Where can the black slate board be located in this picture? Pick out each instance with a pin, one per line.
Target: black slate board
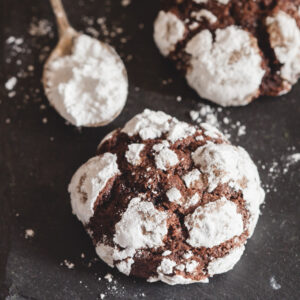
(35, 171)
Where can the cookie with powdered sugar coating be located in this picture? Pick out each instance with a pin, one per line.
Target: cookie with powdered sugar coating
(166, 200)
(232, 51)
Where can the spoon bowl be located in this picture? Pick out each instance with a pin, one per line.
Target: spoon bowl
(67, 36)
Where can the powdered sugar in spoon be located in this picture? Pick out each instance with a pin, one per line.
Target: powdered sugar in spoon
(84, 79)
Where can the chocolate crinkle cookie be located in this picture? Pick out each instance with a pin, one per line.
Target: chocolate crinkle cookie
(165, 200)
(232, 51)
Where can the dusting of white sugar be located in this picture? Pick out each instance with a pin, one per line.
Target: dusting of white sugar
(141, 225)
(220, 119)
(90, 86)
(40, 27)
(274, 284)
(108, 277)
(291, 160)
(125, 2)
(29, 233)
(213, 223)
(168, 31)
(10, 83)
(204, 14)
(133, 153)
(226, 70)
(225, 263)
(68, 264)
(164, 157)
(285, 40)
(174, 195)
(88, 182)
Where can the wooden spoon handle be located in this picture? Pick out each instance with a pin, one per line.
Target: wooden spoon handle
(61, 17)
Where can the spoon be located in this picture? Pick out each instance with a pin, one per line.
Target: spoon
(64, 48)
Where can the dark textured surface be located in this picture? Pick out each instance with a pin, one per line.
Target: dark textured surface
(35, 171)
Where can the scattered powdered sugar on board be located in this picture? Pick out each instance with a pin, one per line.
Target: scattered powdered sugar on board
(20, 52)
(29, 233)
(125, 2)
(273, 169)
(68, 264)
(291, 160)
(108, 277)
(107, 32)
(10, 83)
(277, 167)
(274, 284)
(40, 27)
(219, 118)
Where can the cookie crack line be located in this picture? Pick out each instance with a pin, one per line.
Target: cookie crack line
(232, 52)
(166, 200)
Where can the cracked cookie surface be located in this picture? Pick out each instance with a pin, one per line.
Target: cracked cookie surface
(165, 200)
(232, 51)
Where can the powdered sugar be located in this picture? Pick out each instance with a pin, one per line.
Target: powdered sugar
(191, 177)
(174, 195)
(166, 253)
(274, 284)
(166, 266)
(133, 153)
(180, 131)
(291, 160)
(88, 181)
(187, 255)
(125, 266)
(191, 201)
(180, 267)
(164, 157)
(152, 124)
(285, 40)
(40, 27)
(191, 266)
(141, 225)
(211, 131)
(227, 71)
(29, 233)
(149, 124)
(226, 263)
(225, 163)
(207, 112)
(213, 224)
(105, 252)
(10, 83)
(125, 2)
(168, 31)
(175, 279)
(108, 277)
(68, 264)
(219, 118)
(110, 254)
(204, 14)
(89, 86)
